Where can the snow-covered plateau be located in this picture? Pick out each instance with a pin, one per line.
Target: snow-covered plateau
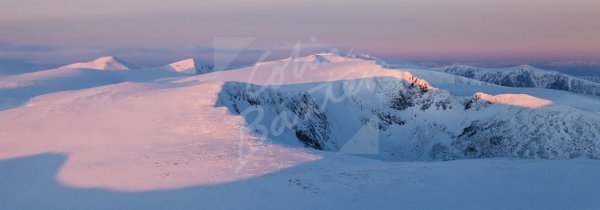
(317, 132)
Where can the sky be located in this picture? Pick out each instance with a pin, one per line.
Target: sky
(151, 32)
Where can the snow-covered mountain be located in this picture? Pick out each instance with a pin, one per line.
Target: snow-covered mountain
(299, 132)
(103, 63)
(525, 76)
(413, 121)
(16, 90)
(189, 66)
(329, 95)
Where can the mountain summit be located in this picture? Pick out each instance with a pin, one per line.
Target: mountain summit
(189, 66)
(103, 63)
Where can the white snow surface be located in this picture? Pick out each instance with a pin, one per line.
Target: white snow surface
(75, 138)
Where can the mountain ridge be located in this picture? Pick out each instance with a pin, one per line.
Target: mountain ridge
(189, 66)
(525, 76)
(103, 63)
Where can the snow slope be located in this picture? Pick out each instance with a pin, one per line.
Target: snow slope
(333, 182)
(103, 63)
(435, 78)
(16, 90)
(307, 132)
(578, 101)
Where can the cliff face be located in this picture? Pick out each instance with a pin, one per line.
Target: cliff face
(413, 123)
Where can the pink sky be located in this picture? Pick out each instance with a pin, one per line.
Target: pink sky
(423, 29)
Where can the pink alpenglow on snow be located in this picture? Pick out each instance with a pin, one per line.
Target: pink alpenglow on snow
(522, 100)
(102, 63)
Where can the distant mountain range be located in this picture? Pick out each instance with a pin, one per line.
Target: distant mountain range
(525, 76)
